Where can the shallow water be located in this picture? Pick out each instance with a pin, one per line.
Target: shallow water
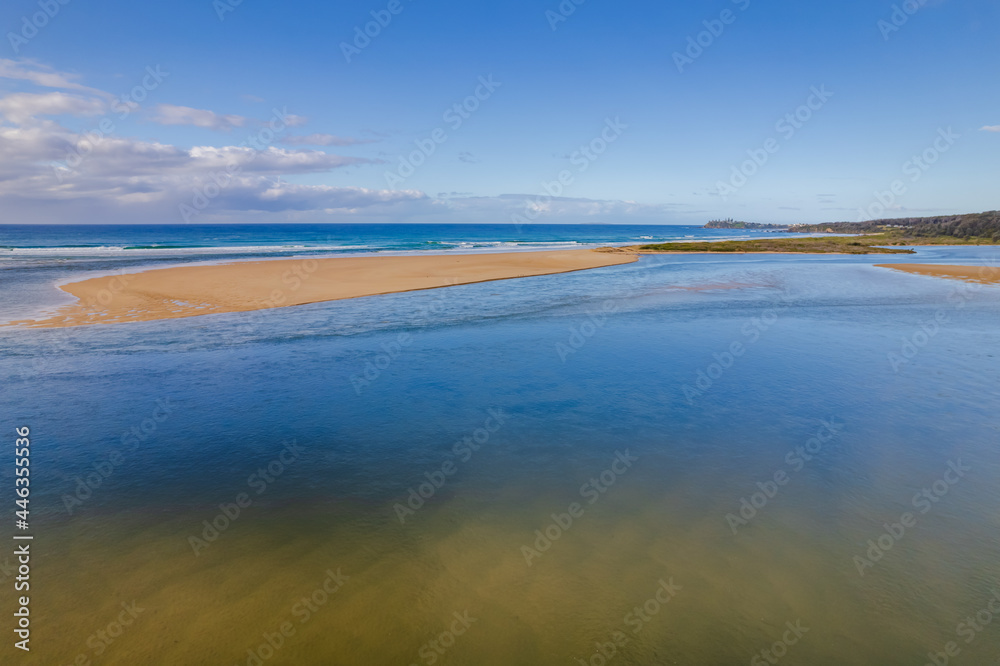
(581, 367)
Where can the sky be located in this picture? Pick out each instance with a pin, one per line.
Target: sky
(579, 111)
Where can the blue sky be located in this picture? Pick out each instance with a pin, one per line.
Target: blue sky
(672, 138)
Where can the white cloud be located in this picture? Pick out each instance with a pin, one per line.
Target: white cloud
(323, 140)
(20, 108)
(271, 160)
(44, 76)
(277, 196)
(85, 159)
(50, 173)
(990, 128)
(120, 179)
(171, 114)
(543, 209)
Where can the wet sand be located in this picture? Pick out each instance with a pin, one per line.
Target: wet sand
(978, 274)
(189, 291)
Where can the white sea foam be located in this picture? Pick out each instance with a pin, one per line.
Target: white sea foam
(120, 250)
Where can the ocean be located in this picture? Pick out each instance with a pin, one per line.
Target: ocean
(693, 459)
(278, 239)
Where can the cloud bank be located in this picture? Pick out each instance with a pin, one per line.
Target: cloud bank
(53, 172)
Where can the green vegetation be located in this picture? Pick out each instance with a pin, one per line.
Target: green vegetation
(824, 245)
(733, 224)
(972, 229)
(873, 237)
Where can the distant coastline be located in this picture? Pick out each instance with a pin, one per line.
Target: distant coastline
(809, 245)
(968, 229)
(871, 237)
(735, 224)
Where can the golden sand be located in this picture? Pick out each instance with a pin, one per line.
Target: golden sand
(978, 274)
(188, 291)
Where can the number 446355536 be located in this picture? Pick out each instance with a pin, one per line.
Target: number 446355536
(21, 456)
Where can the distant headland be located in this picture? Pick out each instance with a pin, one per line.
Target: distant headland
(872, 237)
(734, 224)
(972, 228)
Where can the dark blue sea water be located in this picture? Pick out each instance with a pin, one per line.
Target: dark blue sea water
(182, 239)
(667, 462)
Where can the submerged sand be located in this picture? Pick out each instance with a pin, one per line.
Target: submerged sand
(978, 274)
(189, 291)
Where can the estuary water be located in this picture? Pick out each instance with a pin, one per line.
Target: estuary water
(686, 460)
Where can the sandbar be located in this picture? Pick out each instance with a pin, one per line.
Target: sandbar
(978, 274)
(189, 291)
